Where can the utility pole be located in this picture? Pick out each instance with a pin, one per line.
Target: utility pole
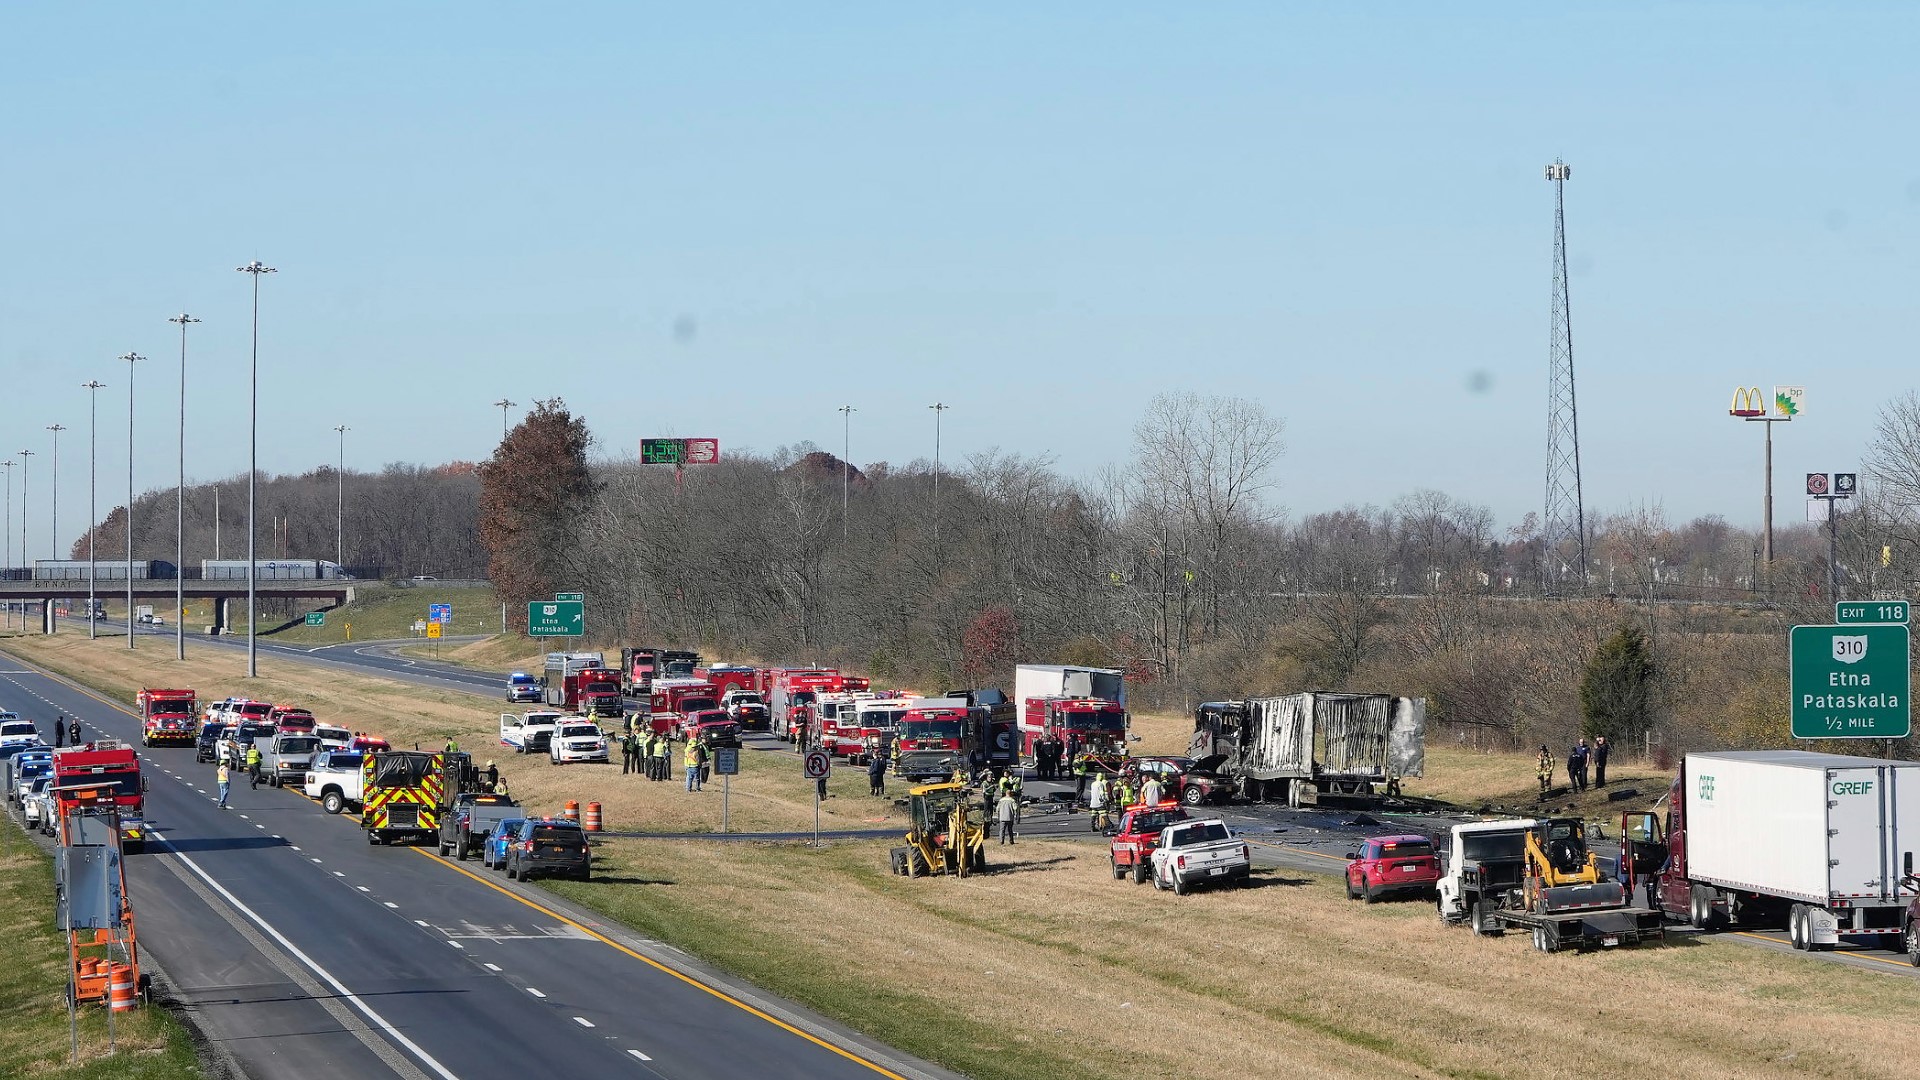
(180, 506)
(7, 531)
(132, 359)
(937, 408)
(846, 464)
(54, 528)
(92, 387)
(503, 405)
(254, 268)
(1564, 522)
(340, 503)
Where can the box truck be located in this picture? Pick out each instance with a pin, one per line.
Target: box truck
(1819, 843)
(1313, 747)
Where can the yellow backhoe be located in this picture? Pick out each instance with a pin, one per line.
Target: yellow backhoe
(946, 833)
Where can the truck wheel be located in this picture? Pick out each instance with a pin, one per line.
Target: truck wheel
(332, 802)
(1700, 908)
(1179, 885)
(1440, 908)
(1797, 927)
(1118, 873)
(1912, 936)
(1484, 923)
(462, 851)
(917, 865)
(512, 873)
(897, 860)
(1139, 871)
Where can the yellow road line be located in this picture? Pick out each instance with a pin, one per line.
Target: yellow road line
(664, 969)
(1854, 955)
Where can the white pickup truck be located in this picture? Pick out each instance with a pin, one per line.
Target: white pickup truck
(529, 732)
(335, 779)
(1194, 852)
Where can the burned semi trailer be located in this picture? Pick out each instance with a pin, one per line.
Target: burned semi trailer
(1313, 747)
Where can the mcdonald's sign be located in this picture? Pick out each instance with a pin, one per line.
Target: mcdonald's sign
(1748, 401)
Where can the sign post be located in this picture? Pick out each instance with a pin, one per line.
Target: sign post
(1851, 681)
(726, 762)
(816, 766)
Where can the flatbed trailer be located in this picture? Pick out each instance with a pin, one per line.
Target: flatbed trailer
(1585, 931)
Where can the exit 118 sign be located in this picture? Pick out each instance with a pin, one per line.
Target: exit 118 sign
(1870, 611)
(1851, 682)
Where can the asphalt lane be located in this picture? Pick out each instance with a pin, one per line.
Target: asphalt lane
(306, 951)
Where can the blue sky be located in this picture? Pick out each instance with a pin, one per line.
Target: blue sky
(1041, 215)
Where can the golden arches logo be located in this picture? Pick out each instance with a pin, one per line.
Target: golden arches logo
(1748, 401)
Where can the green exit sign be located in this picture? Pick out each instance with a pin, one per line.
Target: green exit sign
(316, 618)
(1870, 611)
(1851, 682)
(556, 618)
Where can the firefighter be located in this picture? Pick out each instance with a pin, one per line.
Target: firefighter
(493, 776)
(1097, 802)
(1544, 769)
(1080, 779)
(452, 747)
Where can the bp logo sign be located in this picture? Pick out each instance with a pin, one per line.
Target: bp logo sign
(1706, 788)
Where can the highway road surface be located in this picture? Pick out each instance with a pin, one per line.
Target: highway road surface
(302, 951)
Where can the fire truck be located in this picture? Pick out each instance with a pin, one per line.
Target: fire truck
(935, 737)
(673, 699)
(599, 693)
(167, 716)
(1093, 728)
(111, 771)
(876, 722)
(563, 676)
(400, 792)
(730, 677)
(640, 666)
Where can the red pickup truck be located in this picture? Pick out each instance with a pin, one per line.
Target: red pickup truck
(1132, 847)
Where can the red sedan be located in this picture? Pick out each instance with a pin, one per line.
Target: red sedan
(1390, 864)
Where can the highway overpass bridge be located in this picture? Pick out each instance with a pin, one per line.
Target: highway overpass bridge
(216, 597)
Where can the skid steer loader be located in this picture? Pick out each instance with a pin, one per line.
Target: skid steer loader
(946, 833)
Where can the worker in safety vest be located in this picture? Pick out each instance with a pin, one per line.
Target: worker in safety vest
(253, 765)
(690, 762)
(452, 747)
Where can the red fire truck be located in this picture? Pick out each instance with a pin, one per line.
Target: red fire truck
(110, 769)
(599, 693)
(730, 676)
(673, 699)
(936, 736)
(167, 716)
(640, 666)
(1094, 728)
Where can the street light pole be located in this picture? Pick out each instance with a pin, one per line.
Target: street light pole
(340, 502)
(503, 405)
(132, 359)
(24, 560)
(7, 532)
(937, 408)
(92, 387)
(846, 463)
(54, 529)
(180, 505)
(255, 268)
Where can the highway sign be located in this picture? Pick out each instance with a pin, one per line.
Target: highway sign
(433, 629)
(817, 765)
(576, 596)
(439, 613)
(663, 451)
(1851, 682)
(316, 618)
(556, 618)
(1870, 611)
(726, 761)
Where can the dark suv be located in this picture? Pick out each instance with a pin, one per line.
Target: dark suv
(549, 846)
(207, 745)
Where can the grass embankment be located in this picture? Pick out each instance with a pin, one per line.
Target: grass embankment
(383, 612)
(34, 1036)
(498, 653)
(1047, 966)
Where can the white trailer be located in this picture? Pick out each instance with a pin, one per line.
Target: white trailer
(1821, 841)
(1314, 745)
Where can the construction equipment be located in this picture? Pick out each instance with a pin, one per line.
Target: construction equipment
(93, 909)
(1562, 874)
(946, 833)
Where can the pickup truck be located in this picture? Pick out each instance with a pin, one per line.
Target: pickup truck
(1140, 828)
(1194, 852)
(529, 732)
(287, 758)
(335, 780)
(464, 825)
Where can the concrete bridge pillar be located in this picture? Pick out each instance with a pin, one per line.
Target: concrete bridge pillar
(220, 614)
(47, 621)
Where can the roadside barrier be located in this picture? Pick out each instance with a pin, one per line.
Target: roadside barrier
(572, 812)
(593, 817)
(121, 989)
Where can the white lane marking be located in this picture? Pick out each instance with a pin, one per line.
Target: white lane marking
(456, 945)
(583, 1021)
(493, 967)
(336, 873)
(534, 992)
(346, 995)
(363, 888)
(257, 825)
(244, 817)
(639, 1055)
(419, 922)
(390, 903)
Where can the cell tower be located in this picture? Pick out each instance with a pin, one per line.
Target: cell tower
(1564, 524)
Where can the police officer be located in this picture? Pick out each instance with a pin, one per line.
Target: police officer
(60, 730)
(626, 753)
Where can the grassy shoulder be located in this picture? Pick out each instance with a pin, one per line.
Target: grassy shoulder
(383, 612)
(498, 653)
(34, 1034)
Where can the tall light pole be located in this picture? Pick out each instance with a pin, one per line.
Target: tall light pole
(92, 387)
(255, 268)
(54, 527)
(1750, 405)
(846, 464)
(7, 531)
(24, 561)
(503, 405)
(937, 408)
(132, 359)
(180, 505)
(340, 502)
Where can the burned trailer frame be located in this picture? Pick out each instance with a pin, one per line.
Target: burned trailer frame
(1314, 747)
